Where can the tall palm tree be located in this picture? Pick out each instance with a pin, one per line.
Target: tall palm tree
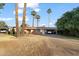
(17, 25)
(2, 5)
(33, 13)
(49, 11)
(24, 18)
(37, 17)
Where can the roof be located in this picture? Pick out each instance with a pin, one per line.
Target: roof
(46, 27)
(41, 28)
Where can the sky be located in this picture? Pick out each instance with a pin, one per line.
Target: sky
(58, 9)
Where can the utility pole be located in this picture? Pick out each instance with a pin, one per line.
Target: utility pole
(24, 18)
(17, 25)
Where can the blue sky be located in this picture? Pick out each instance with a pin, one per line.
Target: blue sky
(58, 9)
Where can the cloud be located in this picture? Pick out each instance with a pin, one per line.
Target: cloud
(20, 11)
(43, 25)
(50, 23)
(21, 5)
(37, 9)
(34, 6)
(20, 18)
(29, 5)
(7, 19)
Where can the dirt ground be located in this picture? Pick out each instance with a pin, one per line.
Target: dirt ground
(37, 45)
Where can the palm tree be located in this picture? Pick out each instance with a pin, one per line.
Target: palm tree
(2, 5)
(17, 25)
(33, 13)
(49, 11)
(24, 18)
(37, 17)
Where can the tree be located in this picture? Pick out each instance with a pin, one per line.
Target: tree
(3, 25)
(26, 25)
(20, 28)
(24, 18)
(37, 17)
(69, 22)
(17, 25)
(33, 13)
(49, 11)
(2, 5)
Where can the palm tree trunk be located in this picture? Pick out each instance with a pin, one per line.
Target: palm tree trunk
(33, 22)
(24, 18)
(17, 25)
(48, 20)
(37, 22)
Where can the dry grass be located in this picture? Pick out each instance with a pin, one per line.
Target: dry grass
(5, 37)
(38, 45)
